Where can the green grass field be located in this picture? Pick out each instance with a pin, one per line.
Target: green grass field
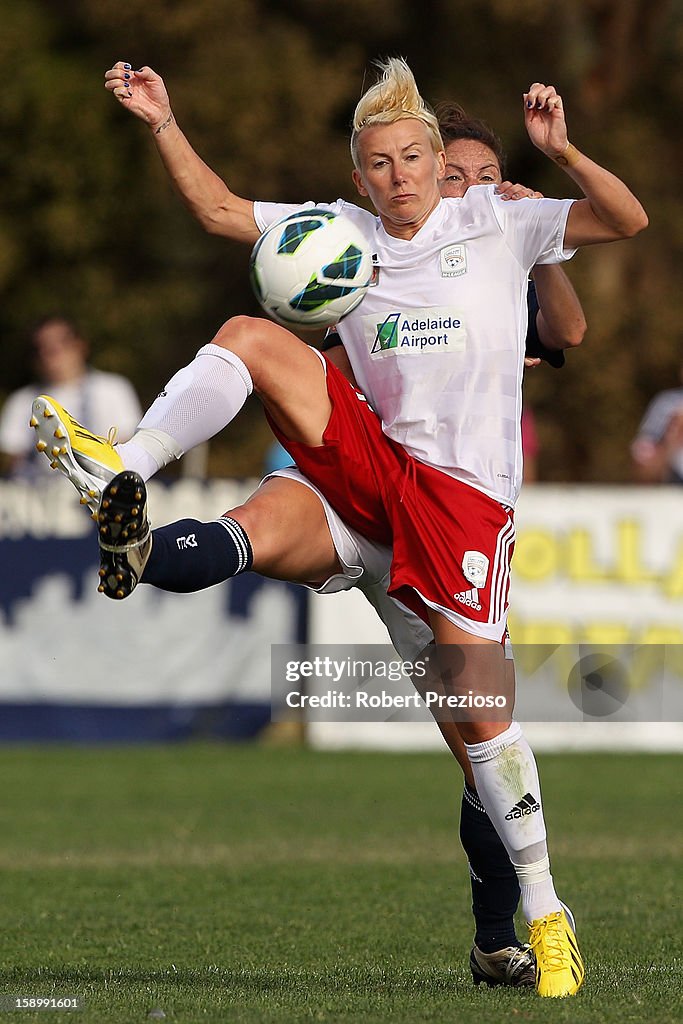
(234, 884)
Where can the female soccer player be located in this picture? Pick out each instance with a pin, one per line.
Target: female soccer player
(438, 355)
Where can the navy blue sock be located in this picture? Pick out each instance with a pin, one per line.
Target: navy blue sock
(189, 555)
(495, 889)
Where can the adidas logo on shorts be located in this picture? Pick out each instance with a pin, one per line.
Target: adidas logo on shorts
(469, 598)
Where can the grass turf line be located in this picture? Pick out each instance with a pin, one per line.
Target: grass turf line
(248, 884)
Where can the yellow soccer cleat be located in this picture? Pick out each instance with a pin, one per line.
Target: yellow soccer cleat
(559, 967)
(89, 461)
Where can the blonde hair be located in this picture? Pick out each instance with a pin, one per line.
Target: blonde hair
(394, 97)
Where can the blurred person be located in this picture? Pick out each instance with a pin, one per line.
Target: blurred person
(398, 163)
(60, 360)
(657, 449)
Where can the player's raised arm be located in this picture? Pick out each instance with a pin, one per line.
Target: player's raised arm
(206, 195)
(610, 211)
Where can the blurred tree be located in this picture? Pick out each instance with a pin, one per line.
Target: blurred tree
(265, 89)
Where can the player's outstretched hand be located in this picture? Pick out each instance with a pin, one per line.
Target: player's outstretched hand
(509, 190)
(142, 92)
(544, 119)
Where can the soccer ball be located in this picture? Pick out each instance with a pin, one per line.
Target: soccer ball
(311, 268)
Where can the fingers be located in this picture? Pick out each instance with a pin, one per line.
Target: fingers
(507, 190)
(543, 97)
(531, 363)
(119, 80)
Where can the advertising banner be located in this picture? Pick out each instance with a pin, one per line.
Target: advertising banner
(76, 665)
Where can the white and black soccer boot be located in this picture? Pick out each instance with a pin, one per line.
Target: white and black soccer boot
(125, 535)
(514, 966)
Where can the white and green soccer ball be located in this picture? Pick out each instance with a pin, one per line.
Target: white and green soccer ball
(311, 268)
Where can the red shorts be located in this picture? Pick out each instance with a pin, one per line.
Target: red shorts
(452, 544)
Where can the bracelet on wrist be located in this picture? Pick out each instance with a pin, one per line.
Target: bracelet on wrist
(165, 124)
(570, 156)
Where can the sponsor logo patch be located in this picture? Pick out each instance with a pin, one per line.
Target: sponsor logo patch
(470, 598)
(527, 805)
(187, 542)
(415, 331)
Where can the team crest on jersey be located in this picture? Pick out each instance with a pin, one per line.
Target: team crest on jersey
(453, 260)
(475, 568)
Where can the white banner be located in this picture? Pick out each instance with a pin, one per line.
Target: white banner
(597, 581)
(63, 644)
(598, 565)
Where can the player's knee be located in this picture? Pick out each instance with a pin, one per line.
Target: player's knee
(249, 337)
(260, 344)
(481, 732)
(238, 331)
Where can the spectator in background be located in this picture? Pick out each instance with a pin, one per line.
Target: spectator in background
(657, 450)
(60, 361)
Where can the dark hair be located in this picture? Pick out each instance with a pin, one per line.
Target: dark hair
(55, 318)
(455, 124)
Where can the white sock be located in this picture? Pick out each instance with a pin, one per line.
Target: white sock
(197, 403)
(507, 783)
(159, 449)
(537, 892)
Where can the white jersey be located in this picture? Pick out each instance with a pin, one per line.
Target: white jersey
(437, 344)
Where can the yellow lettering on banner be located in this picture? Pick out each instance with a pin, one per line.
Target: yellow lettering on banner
(541, 554)
(662, 635)
(673, 658)
(652, 662)
(581, 564)
(672, 584)
(534, 642)
(648, 662)
(556, 633)
(610, 634)
(537, 555)
(552, 633)
(629, 548)
(530, 657)
(645, 666)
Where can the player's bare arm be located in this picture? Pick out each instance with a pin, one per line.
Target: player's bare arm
(610, 211)
(208, 198)
(560, 320)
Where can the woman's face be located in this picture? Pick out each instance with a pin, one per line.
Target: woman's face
(468, 163)
(400, 173)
